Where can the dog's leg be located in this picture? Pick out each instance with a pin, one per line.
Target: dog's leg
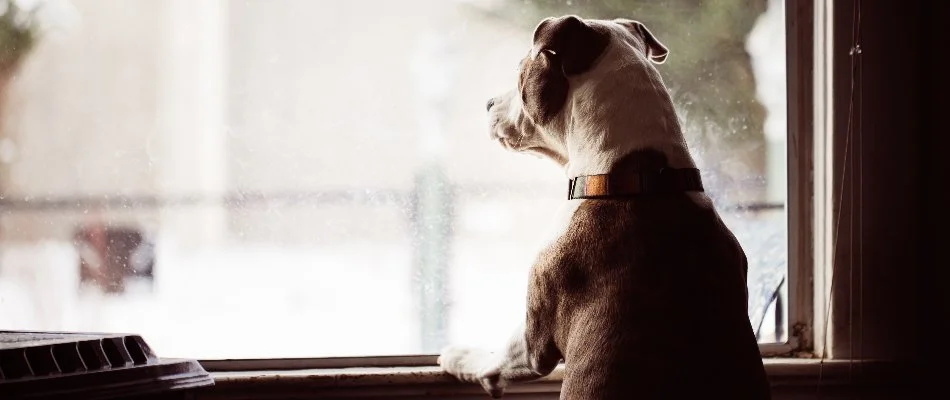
(494, 371)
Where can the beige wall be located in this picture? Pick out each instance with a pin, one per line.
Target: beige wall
(83, 105)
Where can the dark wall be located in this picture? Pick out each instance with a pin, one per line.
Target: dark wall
(891, 290)
(876, 184)
(933, 290)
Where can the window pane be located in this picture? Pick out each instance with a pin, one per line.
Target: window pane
(298, 178)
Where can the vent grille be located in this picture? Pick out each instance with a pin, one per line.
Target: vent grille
(47, 354)
(68, 365)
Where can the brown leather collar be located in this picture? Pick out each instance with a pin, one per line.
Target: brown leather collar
(663, 180)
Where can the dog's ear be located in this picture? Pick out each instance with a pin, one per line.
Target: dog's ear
(543, 86)
(563, 47)
(655, 50)
(573, 43)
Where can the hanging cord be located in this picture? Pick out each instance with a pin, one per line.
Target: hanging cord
(856, 79)
(856, 59)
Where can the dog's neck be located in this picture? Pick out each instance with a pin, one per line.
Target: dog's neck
(588, 159)
(633, 112)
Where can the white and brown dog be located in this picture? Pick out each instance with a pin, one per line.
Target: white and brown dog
(642, 289)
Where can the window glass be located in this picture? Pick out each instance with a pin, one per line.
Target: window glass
(300, 178)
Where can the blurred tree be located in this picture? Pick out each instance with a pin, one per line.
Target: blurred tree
(709, 72)
(17, 35)
(20, 29)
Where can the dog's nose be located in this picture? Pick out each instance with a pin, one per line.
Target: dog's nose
(491, 102)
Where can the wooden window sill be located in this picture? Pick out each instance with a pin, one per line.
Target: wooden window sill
(429, 381)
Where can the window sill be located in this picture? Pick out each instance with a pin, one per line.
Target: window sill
(786, 375)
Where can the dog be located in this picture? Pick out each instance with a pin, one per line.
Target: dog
(641, 289)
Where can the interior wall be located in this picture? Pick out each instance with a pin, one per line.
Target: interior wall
(890, 296)
(932, 295)
(876, 184)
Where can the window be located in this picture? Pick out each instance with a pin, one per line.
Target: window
(205, 173)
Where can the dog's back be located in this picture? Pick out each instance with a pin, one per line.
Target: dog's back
(652, 302)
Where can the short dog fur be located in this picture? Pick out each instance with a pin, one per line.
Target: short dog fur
(642, 297)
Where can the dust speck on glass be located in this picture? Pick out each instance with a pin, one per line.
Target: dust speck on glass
(208, 173)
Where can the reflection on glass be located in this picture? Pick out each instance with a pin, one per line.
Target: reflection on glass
(212, 174)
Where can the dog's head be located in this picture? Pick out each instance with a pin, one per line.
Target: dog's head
(578, 72)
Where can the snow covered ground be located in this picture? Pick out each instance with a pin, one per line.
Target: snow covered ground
(248, 301)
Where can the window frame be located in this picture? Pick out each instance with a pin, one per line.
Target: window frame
(803, 28)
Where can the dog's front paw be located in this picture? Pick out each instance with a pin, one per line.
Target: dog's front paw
(473, 366)
(461, 362)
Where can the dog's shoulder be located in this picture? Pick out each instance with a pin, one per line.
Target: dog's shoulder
(612, 232)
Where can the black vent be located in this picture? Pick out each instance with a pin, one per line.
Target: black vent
(44, 354)
(43, 365)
